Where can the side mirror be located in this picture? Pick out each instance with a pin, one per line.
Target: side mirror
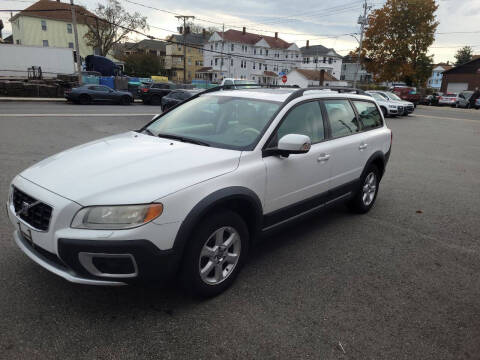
(292, 144)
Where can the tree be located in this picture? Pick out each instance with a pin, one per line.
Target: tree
(142, 65)
(197, 29)
(112, 25)
(463, 55)
(397, 40)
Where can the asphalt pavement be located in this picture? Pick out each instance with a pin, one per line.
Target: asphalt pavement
(401, 282)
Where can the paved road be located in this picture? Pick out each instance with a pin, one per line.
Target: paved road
(399, 283)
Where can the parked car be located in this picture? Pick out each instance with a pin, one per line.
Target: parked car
(155, 92)
(407, 93)
(231, 83)
(189, 192)
(408, 107)
(463, 99)
(87, 94)
(177, 96)
(477, 104)
(448, 99)
(388, 107)
(432, 99)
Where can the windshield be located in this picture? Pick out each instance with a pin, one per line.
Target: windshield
(392, 96)
(220, 121)
(377, 96)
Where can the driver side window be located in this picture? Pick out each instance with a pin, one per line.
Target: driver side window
(304, 119)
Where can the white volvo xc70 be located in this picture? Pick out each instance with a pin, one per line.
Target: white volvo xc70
(187, 194)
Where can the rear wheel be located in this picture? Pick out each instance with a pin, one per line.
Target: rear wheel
(215, 254)
(84, 99)
(367, 194)
(155, 100)
(384, 112)
(125, 100)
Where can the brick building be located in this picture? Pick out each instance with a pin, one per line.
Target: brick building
(463, 77)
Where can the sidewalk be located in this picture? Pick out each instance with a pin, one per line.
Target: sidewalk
(38, 99)
(13, 98)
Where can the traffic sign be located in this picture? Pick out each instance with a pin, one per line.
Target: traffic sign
(281, 73)
(284, 78)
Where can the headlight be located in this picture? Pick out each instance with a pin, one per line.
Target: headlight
(116, 217)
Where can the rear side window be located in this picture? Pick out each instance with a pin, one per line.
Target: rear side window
(342, 118)
(304, 119)
(369, 115)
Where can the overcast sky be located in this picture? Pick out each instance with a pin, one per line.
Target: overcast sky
(319, 21)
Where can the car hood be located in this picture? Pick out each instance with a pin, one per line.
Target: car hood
(129, 168)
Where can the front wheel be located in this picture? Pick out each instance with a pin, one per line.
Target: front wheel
(364, 199)
(215, 254)
(384, 112)
(125, 100)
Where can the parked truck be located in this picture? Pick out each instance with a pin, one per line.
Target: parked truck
(15, 60)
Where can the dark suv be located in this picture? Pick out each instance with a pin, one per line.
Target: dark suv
(154, 94)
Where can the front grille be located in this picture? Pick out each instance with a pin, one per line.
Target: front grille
(37, 216)
(400, 108)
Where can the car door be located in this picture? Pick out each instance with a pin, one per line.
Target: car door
(299, 182)
(100, 93)
(347, 146)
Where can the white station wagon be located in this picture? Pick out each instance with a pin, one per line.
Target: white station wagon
(188, 193)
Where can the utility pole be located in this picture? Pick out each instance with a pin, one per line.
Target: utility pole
(77, 48)
(223, 45)
(362, 20)
(185, 18)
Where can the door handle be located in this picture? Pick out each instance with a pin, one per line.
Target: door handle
(323, 157)
(362, 146)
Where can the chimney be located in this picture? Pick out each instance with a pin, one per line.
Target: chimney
(276, 35)
(308, 44)
(244, 30)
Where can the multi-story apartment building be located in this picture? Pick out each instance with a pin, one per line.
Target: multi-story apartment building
(49, 23)
(243, 55)
(174, 56)
(351, 70)
(318, 57)
(435, 81)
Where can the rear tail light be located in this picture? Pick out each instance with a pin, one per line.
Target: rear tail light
(144, 89)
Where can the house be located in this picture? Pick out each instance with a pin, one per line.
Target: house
(462, 77)
(350, 69)
(435, 81)
(318, 57)
(146, 46)
(305, 78)
(244, 55)
(174, 62)
(49, 24)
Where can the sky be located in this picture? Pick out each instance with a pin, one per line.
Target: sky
(322, 22)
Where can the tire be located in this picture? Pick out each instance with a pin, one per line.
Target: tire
(155, 100)
(364, 200)
(384, 112)
(84, 99)
(206, 250)
(125, 100)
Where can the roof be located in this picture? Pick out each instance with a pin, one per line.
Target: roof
(315, 75)
(470, 67)
(318, 50)
(54, 10)
(146, 44)
(270, 73)
(204, 69)
(194, 39)
(281, 94)
(444, 66)
(251, 39)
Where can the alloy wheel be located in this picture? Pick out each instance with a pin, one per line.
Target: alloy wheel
(369, 189)
(219, 255)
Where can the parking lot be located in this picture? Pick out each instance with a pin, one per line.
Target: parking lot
(402, 282)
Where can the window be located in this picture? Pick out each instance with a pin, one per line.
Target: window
(211, 62)
(233, 47)
(266, 52)
(216, 61)
(69, 28)
(304, 119)
(254, 51)
(369, 115)
(231, 62)
(324, 59)
(330, 60)
(342, 118)
(18, 42)
(45, 43)
(216, 45)
(261, 51)
(44, 25)
(253, 66)
(70, 45)
(211, 46)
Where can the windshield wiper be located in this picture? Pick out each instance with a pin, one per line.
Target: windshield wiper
(149, 132)
(183, 139)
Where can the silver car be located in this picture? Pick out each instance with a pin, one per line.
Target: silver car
(463, 99)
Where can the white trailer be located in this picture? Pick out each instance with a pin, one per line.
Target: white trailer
(16, 59)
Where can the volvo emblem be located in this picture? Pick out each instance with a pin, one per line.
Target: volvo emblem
(26, 206)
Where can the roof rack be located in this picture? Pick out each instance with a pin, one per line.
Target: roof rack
(339, 89)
